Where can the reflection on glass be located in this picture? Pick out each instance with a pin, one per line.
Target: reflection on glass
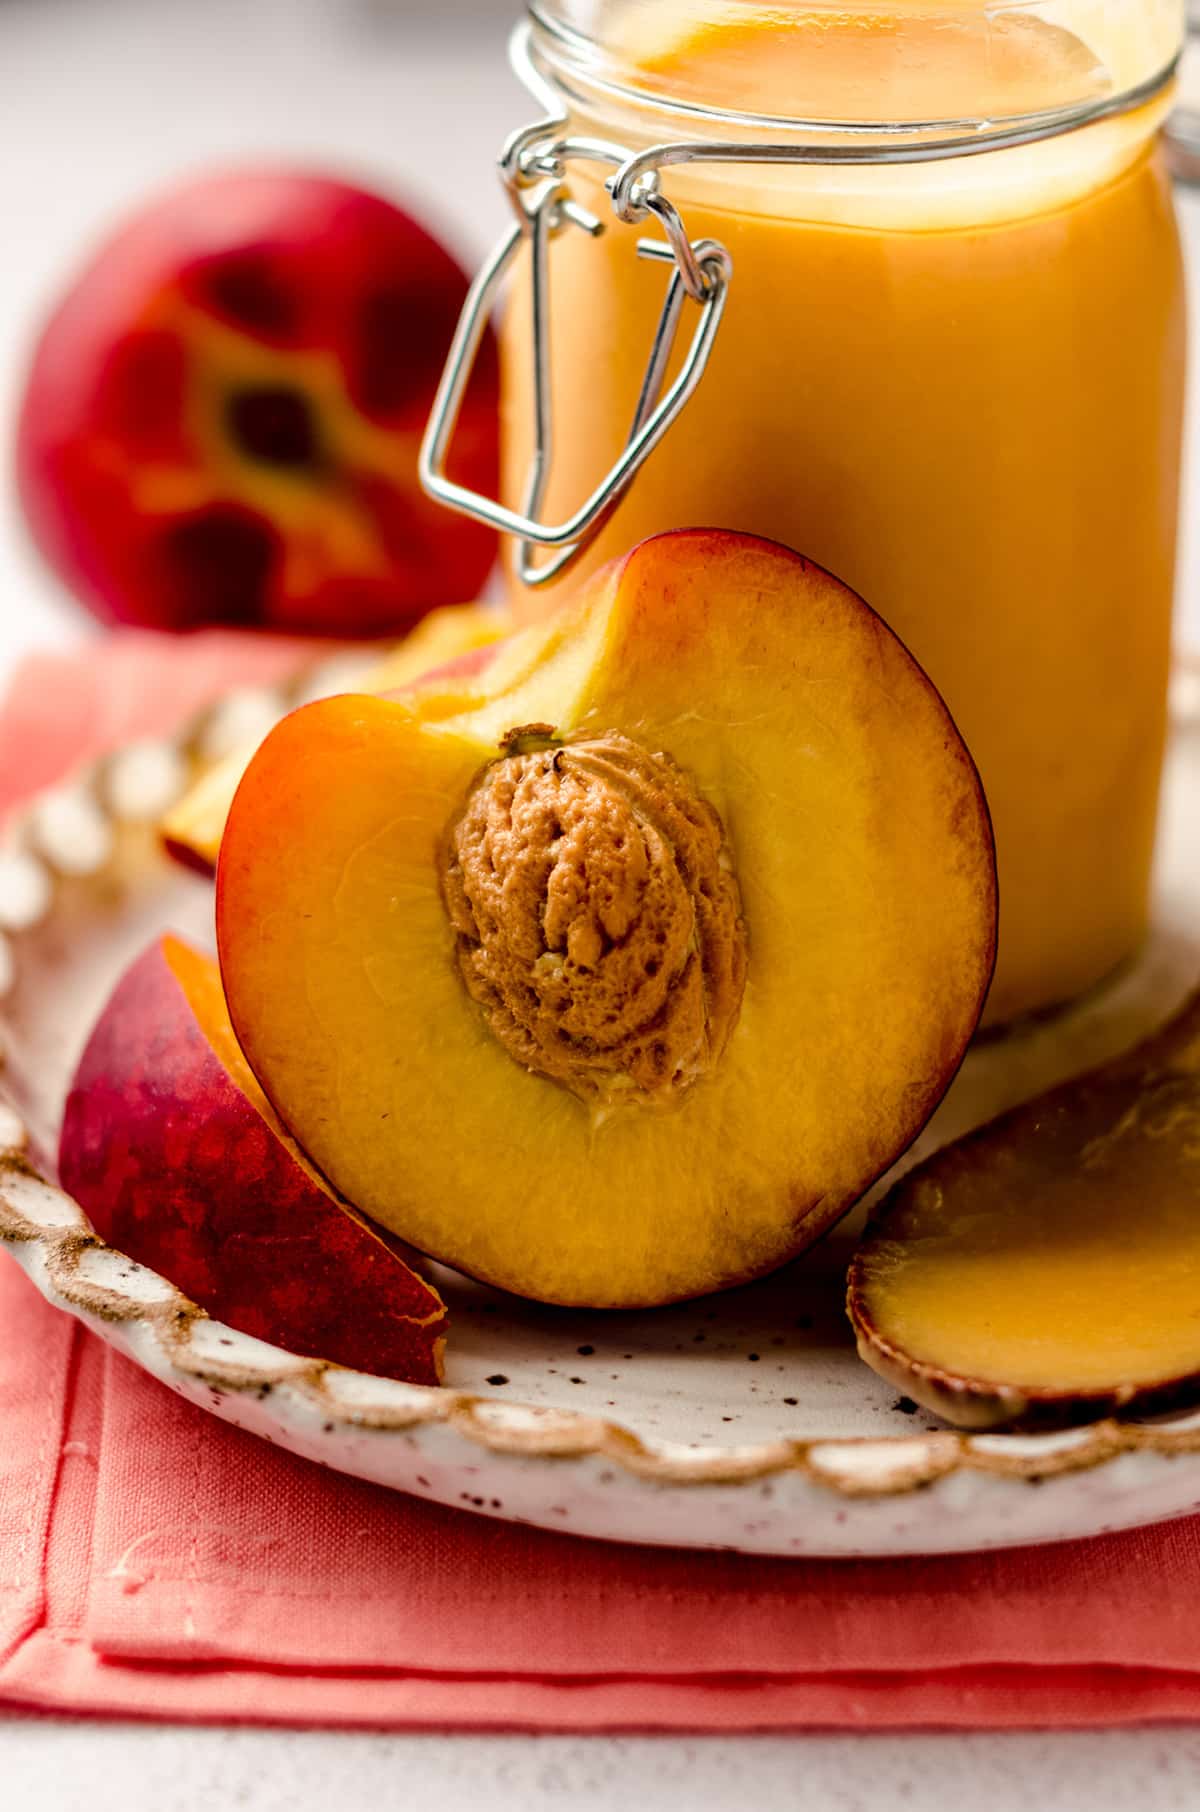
(1183, 128)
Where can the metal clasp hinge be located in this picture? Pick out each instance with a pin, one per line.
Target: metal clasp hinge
(533, 167)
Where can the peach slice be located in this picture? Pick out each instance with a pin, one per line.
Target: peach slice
(177, 1159)
(192, 829)
(1046, 1269)
(623, 985)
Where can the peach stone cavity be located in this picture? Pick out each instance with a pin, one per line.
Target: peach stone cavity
(597, 916)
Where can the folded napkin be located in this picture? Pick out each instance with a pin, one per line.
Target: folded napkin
(155, 1562)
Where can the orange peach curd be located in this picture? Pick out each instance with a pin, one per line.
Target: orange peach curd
(956, 384)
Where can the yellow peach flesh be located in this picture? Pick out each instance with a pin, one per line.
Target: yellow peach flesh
(193, 827)
(1056, 1253)
(863, 854)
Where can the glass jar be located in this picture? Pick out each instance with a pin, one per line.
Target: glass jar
(927, 327)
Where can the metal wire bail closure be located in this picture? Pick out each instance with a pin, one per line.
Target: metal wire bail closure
(533, 165)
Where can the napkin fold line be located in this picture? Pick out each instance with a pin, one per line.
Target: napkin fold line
(56, 1672)
(51, 1411)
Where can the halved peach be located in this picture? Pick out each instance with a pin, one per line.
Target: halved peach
(178, 1160)
(1046, 1269)
(622, 986)
(448, 644)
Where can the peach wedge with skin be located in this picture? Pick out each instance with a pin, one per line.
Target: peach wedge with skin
(622, 986)
(1046, 1269)
(178, 1161)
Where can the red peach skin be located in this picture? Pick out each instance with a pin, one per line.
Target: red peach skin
(176, 1158)
(223, 414)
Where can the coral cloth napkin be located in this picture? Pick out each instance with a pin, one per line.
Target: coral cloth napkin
(154, 1562)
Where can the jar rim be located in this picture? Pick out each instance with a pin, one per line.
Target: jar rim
(561, 64)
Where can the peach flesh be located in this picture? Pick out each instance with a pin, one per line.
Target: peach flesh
(862, 850)
(445, 650)
(1046, 1269)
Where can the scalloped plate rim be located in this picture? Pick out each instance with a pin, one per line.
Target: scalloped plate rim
(865, 1473)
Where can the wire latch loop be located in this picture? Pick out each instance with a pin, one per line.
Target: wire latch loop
(534, 167)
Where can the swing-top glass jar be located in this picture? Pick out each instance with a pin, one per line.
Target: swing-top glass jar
(925, 323)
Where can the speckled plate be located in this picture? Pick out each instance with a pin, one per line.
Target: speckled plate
(744, 1422)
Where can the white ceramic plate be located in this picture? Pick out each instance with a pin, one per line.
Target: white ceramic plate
(744, 1422)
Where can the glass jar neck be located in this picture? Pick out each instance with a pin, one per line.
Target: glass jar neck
(898, 80)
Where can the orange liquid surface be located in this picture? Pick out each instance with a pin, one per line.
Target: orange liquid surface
(959, 388)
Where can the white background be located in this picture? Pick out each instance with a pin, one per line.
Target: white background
(99, 100)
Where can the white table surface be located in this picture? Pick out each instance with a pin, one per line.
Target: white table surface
(98, 100)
